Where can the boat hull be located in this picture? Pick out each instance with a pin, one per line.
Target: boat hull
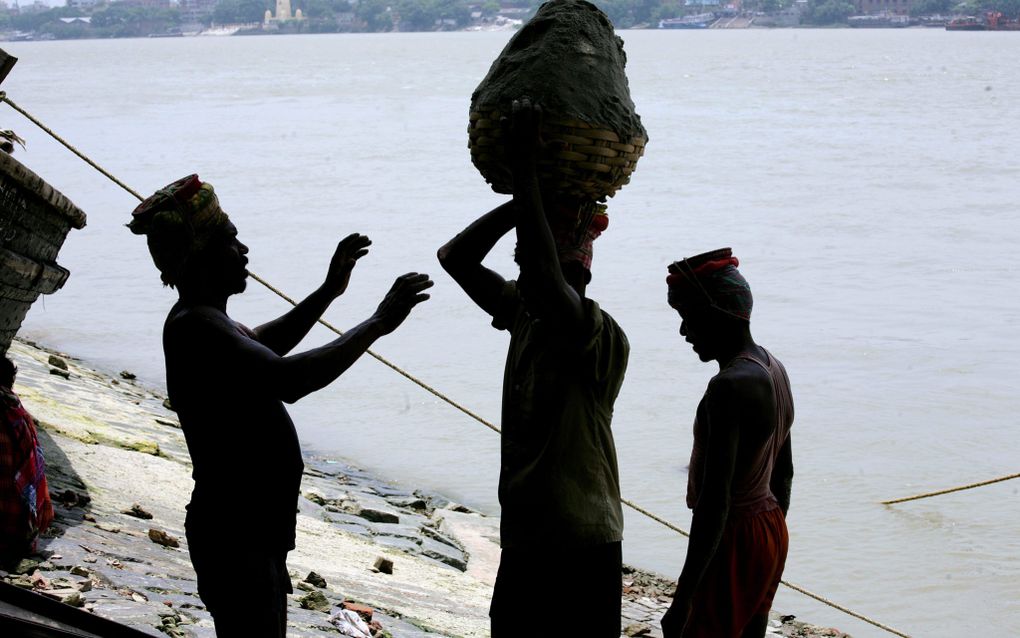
(34, 221)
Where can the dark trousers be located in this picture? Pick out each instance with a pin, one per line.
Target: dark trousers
(245, 590)
(581, 586)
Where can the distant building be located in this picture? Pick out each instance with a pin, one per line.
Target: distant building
(196, 11)
(283, 13)
(77, 20)
(154, 4)
(788, 17)
(515, 13)
(82, 4)
(873, 7)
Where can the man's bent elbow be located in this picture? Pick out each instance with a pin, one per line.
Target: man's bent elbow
(446, 258)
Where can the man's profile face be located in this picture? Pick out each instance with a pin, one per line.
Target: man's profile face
(697, 328)
(224, 260)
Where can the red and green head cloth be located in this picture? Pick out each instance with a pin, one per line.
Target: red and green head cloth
(710, 279)
(178, 221)
(574, 228)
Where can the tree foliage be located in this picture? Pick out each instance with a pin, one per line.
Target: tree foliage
(240, 11)
(1009, 8)
(828, 12)
(932, 7)
(374, 14)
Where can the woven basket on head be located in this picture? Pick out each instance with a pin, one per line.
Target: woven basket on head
(577, 160)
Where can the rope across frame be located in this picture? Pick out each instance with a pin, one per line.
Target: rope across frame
(427, 387)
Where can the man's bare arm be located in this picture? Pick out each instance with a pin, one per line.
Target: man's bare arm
(550, 297)
(285, 332)
(462, 257)
(781, 482)
(293, 377)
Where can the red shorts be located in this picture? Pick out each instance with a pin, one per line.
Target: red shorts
(742, 578)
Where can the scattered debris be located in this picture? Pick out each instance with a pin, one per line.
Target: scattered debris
(350, 624)
(383, 565)
(70, 498)
(26, 566)
(377, 516)
(635, 630)
(315, 579)
(160, 537)
(316, 498)
(57, 362)
(316, 601)
(137, 511)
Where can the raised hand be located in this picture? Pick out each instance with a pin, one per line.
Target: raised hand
(524, 141)
(350, 249)
(406, 293)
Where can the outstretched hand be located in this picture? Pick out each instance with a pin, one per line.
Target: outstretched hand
(406, 293)
(350, 249)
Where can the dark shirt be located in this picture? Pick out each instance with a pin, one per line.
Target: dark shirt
(244, 448)
(559, 482)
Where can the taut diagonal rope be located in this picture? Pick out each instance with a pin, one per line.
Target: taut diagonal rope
(952, 489)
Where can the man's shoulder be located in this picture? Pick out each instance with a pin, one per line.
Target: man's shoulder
(609, 326)
(597, 308)
(188, 322)
(741, 378)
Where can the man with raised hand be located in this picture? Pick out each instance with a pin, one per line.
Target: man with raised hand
(228, 384)
(559, 488)
(741, 469)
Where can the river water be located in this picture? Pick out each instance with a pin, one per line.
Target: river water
(868, 180)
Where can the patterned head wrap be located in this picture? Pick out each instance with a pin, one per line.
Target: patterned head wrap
(575, 228)
(710, 278)
(178, 220)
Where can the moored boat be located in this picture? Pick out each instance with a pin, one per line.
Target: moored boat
(879, 21)
(993, 21)
(697, 21)
(34, 220)
(966, 23)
